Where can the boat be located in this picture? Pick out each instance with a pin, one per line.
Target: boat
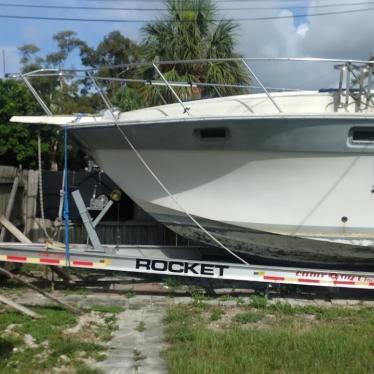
(283, 176)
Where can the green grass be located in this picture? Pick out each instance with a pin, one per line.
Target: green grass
(216, 314)
(51, 341)
(248, 317)
(275, 338)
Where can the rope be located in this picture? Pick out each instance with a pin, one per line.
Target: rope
(66, 197)
(41, 197)
(156, 178)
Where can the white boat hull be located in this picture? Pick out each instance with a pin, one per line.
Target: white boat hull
(320, 206)
(293, 186)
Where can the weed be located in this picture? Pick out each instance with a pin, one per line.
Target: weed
(130, 293)
(248, 317)
(84, 369)
(108, 309)
(140, 327)
(179, 312)
(197, 293)
(227, 297)
(240, 301)
(258, 302)
(217, 314)
(173, 283)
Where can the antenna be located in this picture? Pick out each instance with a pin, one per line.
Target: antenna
(4, 69)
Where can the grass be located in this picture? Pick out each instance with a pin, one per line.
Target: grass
(216, 314)
(52, 345)
(269, 338)
(248, 317)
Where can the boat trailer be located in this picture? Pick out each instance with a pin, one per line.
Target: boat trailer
(187, 261)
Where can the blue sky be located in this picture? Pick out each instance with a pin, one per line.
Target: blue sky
(345, 36)
(16, 32)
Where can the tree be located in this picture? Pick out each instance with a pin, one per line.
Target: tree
(29, 57)
(61, 94)
(190, 31)
(18, 143)
(66, 41)
(114, 50)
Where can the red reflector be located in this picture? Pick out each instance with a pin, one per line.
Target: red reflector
(82, 263)
(345, 282)
(371, 283)
(303, 280)
(269, 277)
(16, 258)
(51, 261)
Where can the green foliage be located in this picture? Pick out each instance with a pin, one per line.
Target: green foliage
(115, 49)
(189, 31)
(127, 98)
(18, 143)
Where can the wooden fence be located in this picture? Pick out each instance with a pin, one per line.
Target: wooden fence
(141, 229)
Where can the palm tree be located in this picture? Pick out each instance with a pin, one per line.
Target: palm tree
(190, 30)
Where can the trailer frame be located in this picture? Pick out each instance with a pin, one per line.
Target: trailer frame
(178, 261)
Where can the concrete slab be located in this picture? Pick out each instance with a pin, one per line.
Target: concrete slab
(139, 340)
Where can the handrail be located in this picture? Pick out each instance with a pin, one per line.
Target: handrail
(259, 82)
(185, 109)
(55, 73)
(352, 73)
(208, 60)
(37, 96)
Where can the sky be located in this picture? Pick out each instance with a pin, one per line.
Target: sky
(346, 36)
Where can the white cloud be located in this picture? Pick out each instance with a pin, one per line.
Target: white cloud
(302, 29)
(345, 36)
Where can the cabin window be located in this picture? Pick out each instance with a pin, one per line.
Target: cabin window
(363, 135)
(220, 133)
